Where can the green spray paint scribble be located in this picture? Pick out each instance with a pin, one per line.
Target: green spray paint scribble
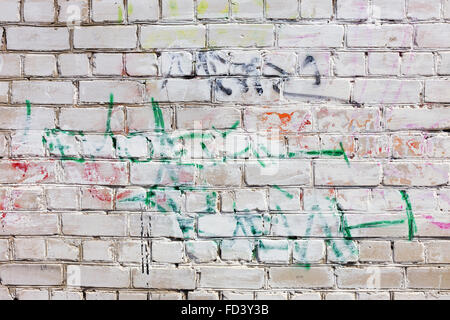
(211, 199)
(412, 227)
(284, 192)
(376, 224)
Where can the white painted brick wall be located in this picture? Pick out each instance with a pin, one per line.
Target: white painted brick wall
(218, 149)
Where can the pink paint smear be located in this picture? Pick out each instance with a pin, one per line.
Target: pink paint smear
(441, 225)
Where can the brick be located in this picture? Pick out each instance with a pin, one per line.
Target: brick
(143, 10)
(236, 249)
(91, 119)
(89, 224)
(27, 172)
(369, 277)
(434, 91)
(168, 252)
(108, 64)
(415, 174)
(201, 251)
(308, 251)
(443, 63)
(289, 277)
(43, 92)
(230, 226)
(37, 38)
(310, 36)
(25, 224)
(104, 37)
(424, 10)
(212, 9)
(273, 251)
(437, 252)
(108, 10)
(32, 294)
(165, 278)
(73, 65)
(308, 90)
(40, 65)
(389, 10)
(123, 295)
(73, 12)
(101, 295)
(282, 9)
(396, 229)
(254, 35)
(177, 10)
(247, 9)
(143, 119)
(26, 199)
(384, 36)
(186, 36)
(179, 90)
(98, 250)
(97, 276)
(66, 295)
(123, 91)
(233, 90)
(231, 278)
(38, 11)
(29, 249)
(31, 274)
(340, 296)
(427, 277)
(276, 174)
(296, 225)
(203, 295)
(417, 118)
(141, 64)
(62, 249)
(414, 64)
(4, 92)
(349, 63)
(387, 91)
(375, 251)
(319, 9)
(105, 173)
(353, 10)
(129, 251)
(432, 35)
(338, 173)
(381, 63)
(10, 65)
(10, 11)
(4, 250)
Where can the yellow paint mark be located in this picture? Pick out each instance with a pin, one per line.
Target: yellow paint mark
(259, 2)
(173, 7)
(234, 7)
(202, 6)
(226, 9)
(130, 9)
(120, 14)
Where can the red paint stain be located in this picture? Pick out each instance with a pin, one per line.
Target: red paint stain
(22, 166)
(123, 195)
(102, 195)
(94, 172)
(285, 119)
